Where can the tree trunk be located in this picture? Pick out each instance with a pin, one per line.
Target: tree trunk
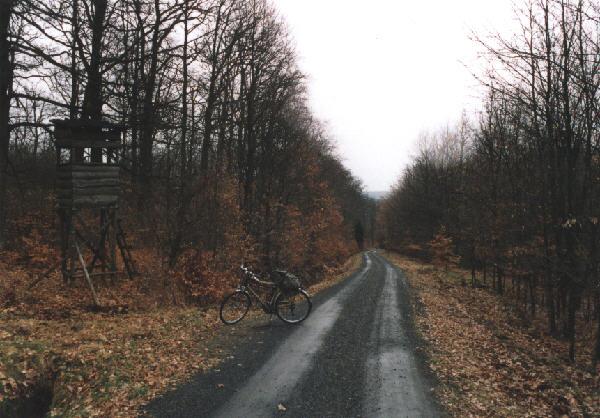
(571, 320)
(532, 294)
(74, 78)
(596, 354)
(148, 113)
(92, 101)
(208, 126)
(183, 195)
(6, 76)
(485, 272)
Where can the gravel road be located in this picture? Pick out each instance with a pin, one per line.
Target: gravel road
(356, 356)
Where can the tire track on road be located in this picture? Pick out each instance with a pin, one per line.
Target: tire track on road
(334, 386)
(355, 356)
(274, 382)
(395, 386)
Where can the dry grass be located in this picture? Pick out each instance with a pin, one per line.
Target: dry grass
(488, 361)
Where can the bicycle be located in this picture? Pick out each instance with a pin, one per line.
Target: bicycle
(291, 307)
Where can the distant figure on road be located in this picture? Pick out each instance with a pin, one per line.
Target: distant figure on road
(359, 235)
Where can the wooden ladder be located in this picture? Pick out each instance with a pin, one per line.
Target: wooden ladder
(125, 251)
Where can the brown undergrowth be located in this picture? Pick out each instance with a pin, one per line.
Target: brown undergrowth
(489, 362)
(335, 275)
(106, 364)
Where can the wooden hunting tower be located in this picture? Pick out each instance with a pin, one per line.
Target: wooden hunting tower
(88, 164)
(88, 186)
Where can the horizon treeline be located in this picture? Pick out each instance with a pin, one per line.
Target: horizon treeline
(223, 160)
(516, 193)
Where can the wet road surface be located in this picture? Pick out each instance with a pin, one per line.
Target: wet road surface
(355, 356)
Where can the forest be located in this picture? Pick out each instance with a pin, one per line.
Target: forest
(512, 194)
(492, 229)
(222, 161)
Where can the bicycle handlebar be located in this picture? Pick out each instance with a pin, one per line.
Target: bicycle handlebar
(252, 276)
(248, 272)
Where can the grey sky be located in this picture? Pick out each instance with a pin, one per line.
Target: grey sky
(382, 71)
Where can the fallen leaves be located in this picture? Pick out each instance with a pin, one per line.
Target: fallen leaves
(486, 361)
(111, 365)
(107, 365)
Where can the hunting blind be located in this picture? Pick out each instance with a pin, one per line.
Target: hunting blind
(88, 189)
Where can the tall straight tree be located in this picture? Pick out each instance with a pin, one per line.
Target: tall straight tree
(6, 80)
(92, 99)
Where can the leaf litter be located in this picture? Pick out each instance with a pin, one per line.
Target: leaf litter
(486, 361)
(112, 363)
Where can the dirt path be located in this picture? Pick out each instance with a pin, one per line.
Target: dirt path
(355, 356)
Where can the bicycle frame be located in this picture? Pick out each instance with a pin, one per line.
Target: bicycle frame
(245, 286)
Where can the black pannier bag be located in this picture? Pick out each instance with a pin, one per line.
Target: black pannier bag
(286, 281)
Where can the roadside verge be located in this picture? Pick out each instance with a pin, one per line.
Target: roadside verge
(486, 362)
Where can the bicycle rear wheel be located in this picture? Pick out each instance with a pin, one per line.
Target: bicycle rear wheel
(235, 307)
(294, 308)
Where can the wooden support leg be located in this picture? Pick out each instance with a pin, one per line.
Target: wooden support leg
(112, 239)
(72, 254)
(67, 255)
(64, 244)
(102, 241)
(84, 234)
(85, 273)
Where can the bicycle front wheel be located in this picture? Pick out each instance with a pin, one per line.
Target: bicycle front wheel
(293, 309)
(235, 307)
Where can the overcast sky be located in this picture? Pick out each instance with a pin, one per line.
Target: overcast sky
(382, 71)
